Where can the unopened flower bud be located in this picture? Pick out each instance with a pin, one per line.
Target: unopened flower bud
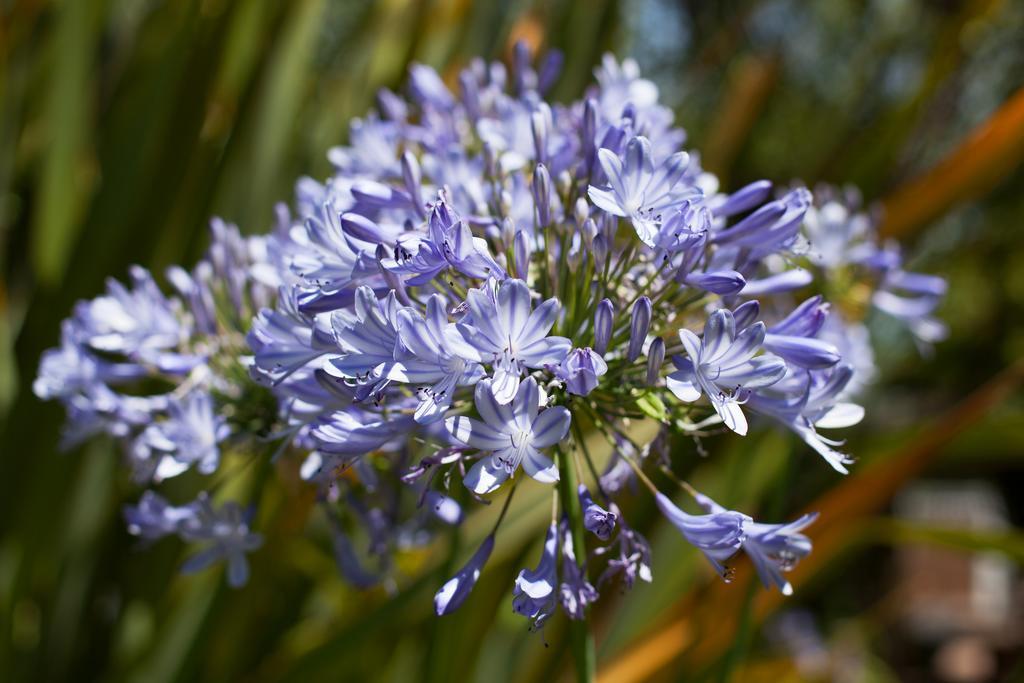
(588, 133)
(588, 230)
(655, 359)
(600, 251)
(507, 233)
(413, 178)
(603, 325)
(641, 322)
(596, 519)
(542, 194)
(581, 211)
(491, 167)
(539, 128)
(521, 250)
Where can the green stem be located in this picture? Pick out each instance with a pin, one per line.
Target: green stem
(580, 638)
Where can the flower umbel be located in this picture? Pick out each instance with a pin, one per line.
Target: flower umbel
(483, 295)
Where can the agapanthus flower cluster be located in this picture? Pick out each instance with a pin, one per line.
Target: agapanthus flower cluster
(486, 280)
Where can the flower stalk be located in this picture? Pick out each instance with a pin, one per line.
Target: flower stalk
(581, 637)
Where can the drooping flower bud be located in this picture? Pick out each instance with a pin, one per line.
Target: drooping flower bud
(445, 508)
(455, 591)
(580, 371)
(718, 535)
(596, 519)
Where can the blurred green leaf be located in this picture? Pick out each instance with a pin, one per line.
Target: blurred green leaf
(66, 176)
(901, 532)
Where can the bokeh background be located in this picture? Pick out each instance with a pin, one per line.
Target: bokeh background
(125, 124)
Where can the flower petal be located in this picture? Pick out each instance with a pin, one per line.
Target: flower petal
(551, 426)
(475, 433)
(606, 200)
(731, 413)
(539, 323)
(485, 477)
(495, 413)
(612, 167)
(842, 415)
(539, 466)
(684, 389)
(513, 309)
(719, 333)
(691, 342)
(548, 351)
(504, 385)
(743, 348)
(526, 403)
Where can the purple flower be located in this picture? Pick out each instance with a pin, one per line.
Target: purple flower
(793, 337)
(912, 298)
(724, 282)
(139, 323)
(226, 531)
(448, 243)
(603, 325)
(640, 323)
(428, 88)
(227, 535)
(384, 291)
(285, 340)
(503, 331)
(632, 558)
(153, 517)
(722, 366)
(718, 535)
(430, 360)
(188, 436)
(773, 548)
(637, 190)
(621, 84)
(72, 369)
(513, 434)
(354, 433)
(367, 335)
(329, 261)
(534, 595)
(445, 508)
(786, 281)
(805, 401)
(575, 592)
(655, 359)
(743, 199)
(581, 371)
(455, 591)
(596, 519)
(774, 226)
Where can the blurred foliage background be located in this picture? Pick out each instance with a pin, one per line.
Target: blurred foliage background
(125, 124)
